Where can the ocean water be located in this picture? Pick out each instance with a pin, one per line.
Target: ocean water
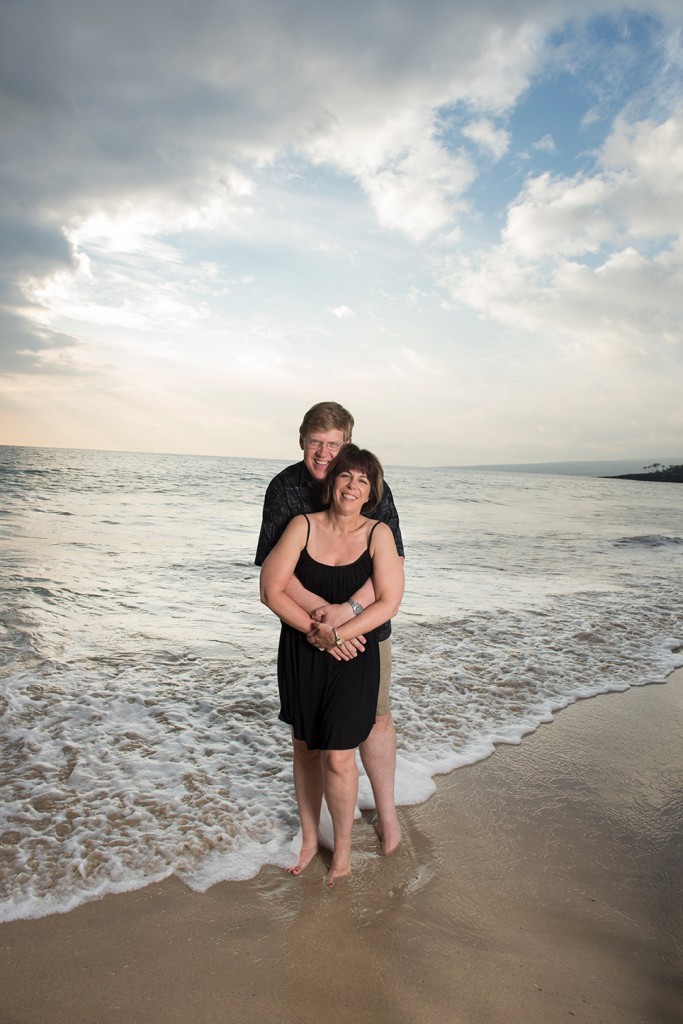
(138, 699)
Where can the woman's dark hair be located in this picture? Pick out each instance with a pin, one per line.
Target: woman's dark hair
(351, 457)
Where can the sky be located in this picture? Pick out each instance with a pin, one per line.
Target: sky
(464, 222)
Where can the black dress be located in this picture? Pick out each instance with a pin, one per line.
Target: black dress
(330, 704)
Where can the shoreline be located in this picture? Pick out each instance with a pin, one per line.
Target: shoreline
(540, 884)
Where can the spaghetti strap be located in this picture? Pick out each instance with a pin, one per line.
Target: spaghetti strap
(308, 531)
(372, 531)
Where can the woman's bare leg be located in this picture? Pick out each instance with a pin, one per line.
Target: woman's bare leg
(340, 775)
(308, 786)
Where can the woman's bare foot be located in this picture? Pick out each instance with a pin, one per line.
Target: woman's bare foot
(389, 836)
(305, 857)
(337, 871)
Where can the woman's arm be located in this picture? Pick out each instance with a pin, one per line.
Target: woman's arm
(277, 572)
(388, 583)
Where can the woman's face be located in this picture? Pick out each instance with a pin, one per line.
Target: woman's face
(351, 490)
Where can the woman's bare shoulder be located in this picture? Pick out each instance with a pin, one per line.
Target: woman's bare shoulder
(296, 526)
(378, 531)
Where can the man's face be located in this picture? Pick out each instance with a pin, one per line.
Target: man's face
(317, 451)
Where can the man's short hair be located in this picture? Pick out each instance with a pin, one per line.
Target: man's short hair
(351, 457)
(326, 416)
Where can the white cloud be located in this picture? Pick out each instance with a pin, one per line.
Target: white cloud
(495, 141)
(591, 258)
(646, 162)
(558, 216)
(635, 193)
(341, 312)
(545, 145)
(420, 192)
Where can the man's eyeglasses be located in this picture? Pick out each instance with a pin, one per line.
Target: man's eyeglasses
(332, 446)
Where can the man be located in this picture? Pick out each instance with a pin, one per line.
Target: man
(326, 427)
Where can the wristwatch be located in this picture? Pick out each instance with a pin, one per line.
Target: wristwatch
(355, 607)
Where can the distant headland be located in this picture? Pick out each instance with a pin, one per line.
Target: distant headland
(606, 469)
(657, 471)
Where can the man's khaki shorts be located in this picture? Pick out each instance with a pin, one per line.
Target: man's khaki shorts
(383, 706)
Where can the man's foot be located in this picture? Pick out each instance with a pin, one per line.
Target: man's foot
(305, 857)
(389, 835)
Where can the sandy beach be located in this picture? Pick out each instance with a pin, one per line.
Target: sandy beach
(541, 885)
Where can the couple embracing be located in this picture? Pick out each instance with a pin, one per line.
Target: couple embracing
(332, 571)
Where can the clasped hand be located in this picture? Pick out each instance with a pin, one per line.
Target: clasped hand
(321, 635)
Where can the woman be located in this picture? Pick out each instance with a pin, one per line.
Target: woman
(330, 699)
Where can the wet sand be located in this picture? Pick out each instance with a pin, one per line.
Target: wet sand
(542, 885)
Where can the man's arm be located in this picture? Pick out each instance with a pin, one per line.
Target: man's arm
(388, 581)
(276, 574)
(338, 614)
(386, 512)
(276, 515)
(296, 590)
